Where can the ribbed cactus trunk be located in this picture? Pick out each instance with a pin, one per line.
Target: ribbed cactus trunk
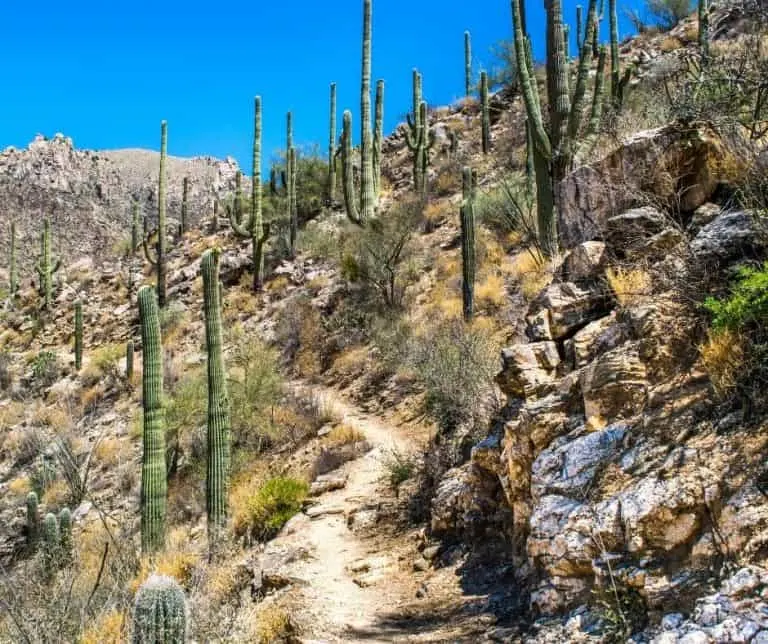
(467, 213)
(159, 612)
(332, 149)
(13, 272)
(486, 118)
(78, 335)
(184, 205)
(703, 29)
(378, 138)
(46, 267)
(161, 205)
(467, 64)
(153, 476)
(418, 137)
(50, 545)
(65, 532)
(579, 33)
(217, 479)
(135, 232)
(33, 521)
(129, 360)
(613, 25)
(360, 213)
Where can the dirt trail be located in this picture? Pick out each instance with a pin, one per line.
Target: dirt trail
(346, 583)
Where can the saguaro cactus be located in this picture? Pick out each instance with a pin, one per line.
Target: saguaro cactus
(46, 267)
(135, 233)
(184, 205)
(378, 137)
(160, 250)
(703, 29)
(467, 213)
(33, 521)
(153, 479)
(51, 544)
(467, 64)
(254, 227)
(159, 612)
(419, 138)
(359, 212)
(217, 479)
(579, 33)
(129, 360)
(332, 148)
(13, 272)
(554, 147)
(486, 115)
(78, 335)
(65, 532)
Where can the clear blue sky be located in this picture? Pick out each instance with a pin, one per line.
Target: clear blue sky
(106, 74)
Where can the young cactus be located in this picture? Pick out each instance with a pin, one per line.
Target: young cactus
(159, 612)
(78, 335)
(485, 110)
(135, 232)
(467, 64)
(65, 533)
(467, 213)
(217, 477)
(332, 149)
(153, 478)
(46, 267)
(362, 210)
(160, 248)
(33, 521)
(13, 272)
(51, 544)
(418, 137)
(129, 360)
(184, 205)
(254, 227)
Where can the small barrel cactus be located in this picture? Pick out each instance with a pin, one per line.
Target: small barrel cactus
(159, 612)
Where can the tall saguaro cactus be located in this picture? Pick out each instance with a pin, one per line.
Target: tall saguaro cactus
(78, 335)
(33, 521)
(254, 226)
(46, 267)
(486, 115)
(554, 143)
(579, 33)
(153, 477)
(703, 29)
(135, 232)
(359, 212)
(13, 272)
(160, 249)
(51, 544)
(378, 138)
(467, 213)
(332, 149)
(217, 478)
(418, 137)
(159, 612)
(184, 205)
(129, 360)
(467, 64)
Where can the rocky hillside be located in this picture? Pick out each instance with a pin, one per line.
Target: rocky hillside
(88, 190)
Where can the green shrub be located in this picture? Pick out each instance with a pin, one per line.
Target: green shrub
(667, 13)
(45, 368)
(400, 467)
(274, 503)
(508, 209)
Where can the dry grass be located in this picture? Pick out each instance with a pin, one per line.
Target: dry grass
(628, 285)
(91, 397)
(722, 356)
(531, 271)
(269, 623)
(491, 293)
(241, 492)
(448, 181)
(57, 494)
(178, 560)
(351, 360)
(435, 213)
(19, 487)
(110, 452)
(670, 43)
(343, 435)
(278, 284)
(102, 361)
(108, 628)
(52, 416)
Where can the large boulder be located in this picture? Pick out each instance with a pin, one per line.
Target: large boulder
(562, 309)
(585, 262)
(729, 236)
(678, 164)
(632, 228)
(528, 370)
(596, 338)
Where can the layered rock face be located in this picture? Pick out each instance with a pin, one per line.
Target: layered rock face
(90, 192)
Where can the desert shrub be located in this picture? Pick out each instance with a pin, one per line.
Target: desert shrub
(667, 13)
(185, 416)
(319, 241)
(45, 368)
(628, 285)
(509, 209)
(272, 504)
(5, 373)
(303, 338)
(103, 361)
(741, 318)
(400, 467)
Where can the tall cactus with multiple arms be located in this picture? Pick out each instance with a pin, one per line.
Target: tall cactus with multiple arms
(555, 146)
(159, 260)
(159, 612)
(33, 521)
(332, 149)
(486, 116)
(218, 401)
(153, 478)
(359, 212)
(13, 271)
(467, 64)
(78, 335)
(184, 205)
(129, 360)
(419, 138)
(467, 213)
(254, 227)
(46, 267)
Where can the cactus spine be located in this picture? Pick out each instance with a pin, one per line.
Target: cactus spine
(46, 267)
(467, 64)
(467, 213)
(486, 119)
(704, 29)
(254, 227)
(159, 260)
(553, 148)
(129, 360)
(419, 137)
(65, 531)
(159, 612)
(184, 205)
(218, 401)
(13, 273)
(51, 544)
(33, 521)
(153, 479)
(78, 335)
(332, 149)
(360, 212)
